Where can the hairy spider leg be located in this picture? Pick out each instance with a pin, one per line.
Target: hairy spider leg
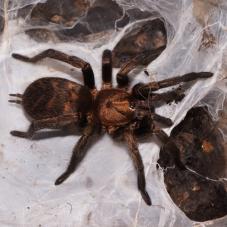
(87, 71)
(49, 123)
(138, 163)
(122, 75)
(159, 98)
(78, 154)
(144, 90)
(107, 69)
(175, 95)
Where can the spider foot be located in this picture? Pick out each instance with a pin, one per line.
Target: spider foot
(205, 74)
(20, 57)
(146, 197)
(61, 179)
(20, 134)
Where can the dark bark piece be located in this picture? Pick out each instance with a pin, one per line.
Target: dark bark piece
(42, 35)
(74, 19)
(60, 12)
(146, 37)
(93, 26)
(200, 144)
(132, 15)
(200, 199)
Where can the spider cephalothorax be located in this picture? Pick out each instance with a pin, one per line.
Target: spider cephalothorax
(55, 103)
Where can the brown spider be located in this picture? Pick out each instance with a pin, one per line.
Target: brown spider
(55, 103)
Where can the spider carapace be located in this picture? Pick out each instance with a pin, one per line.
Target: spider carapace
(55, 103)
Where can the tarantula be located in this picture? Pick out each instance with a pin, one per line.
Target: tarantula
(55, 103)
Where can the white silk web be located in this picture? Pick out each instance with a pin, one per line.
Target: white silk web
(103, 190)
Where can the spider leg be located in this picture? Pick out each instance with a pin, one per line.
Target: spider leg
(78, 154)
(122, 75)
(146, 56)
(164, 138)
(107, 69)
(50, 123)
(138, 163)
(167, 97)
(143, 90)
(87, 71)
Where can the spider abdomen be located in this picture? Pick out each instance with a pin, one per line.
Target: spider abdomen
(113, 107)
(51, 97)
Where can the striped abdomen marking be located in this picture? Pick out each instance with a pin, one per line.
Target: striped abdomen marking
(51, 97)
